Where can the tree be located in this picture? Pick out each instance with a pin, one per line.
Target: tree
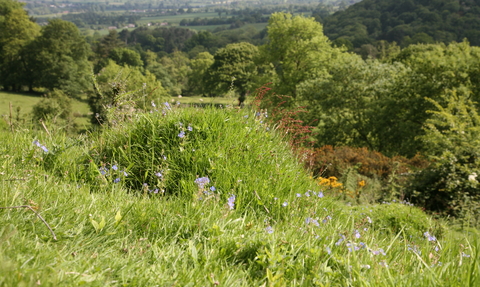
(17, 31)
(233, 67)
(199, 67)
(58, 58)
(298, 49)
(121, 91)
(124, 56)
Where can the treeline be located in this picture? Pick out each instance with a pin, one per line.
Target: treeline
(405, 22)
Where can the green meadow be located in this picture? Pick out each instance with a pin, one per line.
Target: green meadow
(204, 197)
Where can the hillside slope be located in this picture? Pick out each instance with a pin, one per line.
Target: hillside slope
(406, 22)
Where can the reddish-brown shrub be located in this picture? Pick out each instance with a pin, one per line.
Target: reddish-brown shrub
(331, 161)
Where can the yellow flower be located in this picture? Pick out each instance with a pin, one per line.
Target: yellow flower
(336, 184)
(362, 183)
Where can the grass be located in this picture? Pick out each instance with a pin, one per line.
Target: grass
(198, 100)
(23, 103)
(281, 231)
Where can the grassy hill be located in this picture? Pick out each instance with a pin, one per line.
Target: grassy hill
(200, 197)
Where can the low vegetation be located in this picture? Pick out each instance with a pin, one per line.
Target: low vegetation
(204, 197)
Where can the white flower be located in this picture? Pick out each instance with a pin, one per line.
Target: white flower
(473, 177)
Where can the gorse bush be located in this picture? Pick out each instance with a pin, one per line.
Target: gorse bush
(202, 154)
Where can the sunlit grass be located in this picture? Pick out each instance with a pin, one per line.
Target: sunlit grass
(282, 230)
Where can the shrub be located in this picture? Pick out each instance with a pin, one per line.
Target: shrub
(55, 107)
(450, 185)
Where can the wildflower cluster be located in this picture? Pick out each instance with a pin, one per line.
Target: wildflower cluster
(330, 182)
(114, 174)
(205, 192)
(182, 134)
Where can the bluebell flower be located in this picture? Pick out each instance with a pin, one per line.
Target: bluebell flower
(37, 143)
(269, 229)
(153, 104)
(181, 134)
(429, 237)
(117, 180)
(125, 173)
(212, 188)
(202, 181)
(159, 174)
(329, 251)
(189, 128)
(299, 195)
(357, 234)
(103, 170)
(245, 116)
(285, 204)
(307, 194)
(231, 202)
(167, 105)
(320, 194)
(114, 167)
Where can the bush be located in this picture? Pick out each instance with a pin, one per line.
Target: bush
(450, 185)
(55, 107)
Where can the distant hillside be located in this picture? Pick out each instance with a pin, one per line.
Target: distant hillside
(406, 22)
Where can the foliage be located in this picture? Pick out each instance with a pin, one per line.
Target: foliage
(199, 67)
(298, 50)
(122, 91)
(450, 184)
(56, 106)
(17, 32)
(405, 22)
(234, 68)
(58, 58)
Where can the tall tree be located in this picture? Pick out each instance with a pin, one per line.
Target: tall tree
(233, 67)
(199, 67)
(298, 49)
(17, 30)
(58, 58)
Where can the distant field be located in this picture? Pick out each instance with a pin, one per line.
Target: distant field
(175, 19)
(25, 103)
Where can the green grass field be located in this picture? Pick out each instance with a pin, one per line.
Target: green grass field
(22, 104)
(204, 197)
(175, 19)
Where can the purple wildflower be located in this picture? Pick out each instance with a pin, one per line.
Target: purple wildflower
(212, 188)
(159, 174)
(202, 181)
(189, 128)
(114, 167)
(357, 234)
(285, 204)
(181, 134)
(231, 202)
(269, 229)
(320, 194)
(117, 180)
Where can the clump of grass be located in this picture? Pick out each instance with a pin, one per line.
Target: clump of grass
(203, 154)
